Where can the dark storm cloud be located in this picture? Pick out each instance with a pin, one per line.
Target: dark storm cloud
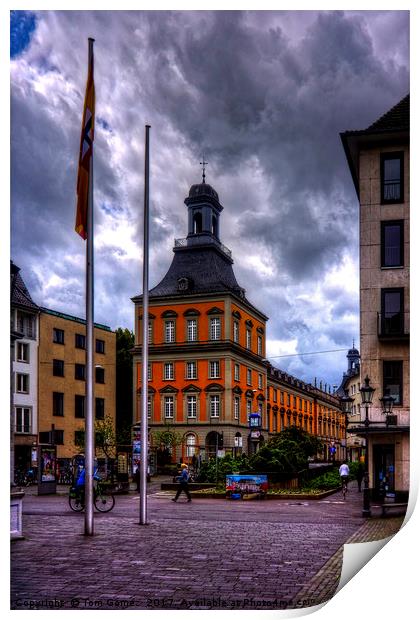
(264, 95)
(245, 91)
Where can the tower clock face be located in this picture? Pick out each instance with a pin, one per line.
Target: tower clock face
(183, 284)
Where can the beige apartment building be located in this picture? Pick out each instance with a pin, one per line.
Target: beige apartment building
(61, 379)
(378, 158)
(350, 386)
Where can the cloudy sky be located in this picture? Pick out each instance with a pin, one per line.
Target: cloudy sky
(264, 96)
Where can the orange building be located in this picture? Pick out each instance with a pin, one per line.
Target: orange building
(292, 402)
(207, 369)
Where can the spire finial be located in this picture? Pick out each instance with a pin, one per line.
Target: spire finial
(353, 343)
(204, 164)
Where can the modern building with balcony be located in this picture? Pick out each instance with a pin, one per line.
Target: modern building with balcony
(378, 158)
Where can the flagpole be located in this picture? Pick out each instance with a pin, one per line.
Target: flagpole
(144, 448)
(89, 434)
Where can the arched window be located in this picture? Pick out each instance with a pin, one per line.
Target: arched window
(190, 441)
(197, 223)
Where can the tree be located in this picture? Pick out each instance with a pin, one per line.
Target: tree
(166, 442)
(124, 383)
(287, 451)
(105, 437)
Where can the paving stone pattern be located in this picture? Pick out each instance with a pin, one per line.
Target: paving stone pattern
(209, 554)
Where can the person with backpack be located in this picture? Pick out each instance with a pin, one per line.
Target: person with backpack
(183, 483)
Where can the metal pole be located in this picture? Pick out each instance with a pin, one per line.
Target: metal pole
(144, 448)
(366, 494)
(89, 435)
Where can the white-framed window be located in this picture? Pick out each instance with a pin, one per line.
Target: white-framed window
(235, 331)
(168, 371)
(23, 419)
(191, 370)
(149, 407)
(214, 369)
(26, 324)
(190, 441)
(215, 328)
(170, 331)
(191, 330)
(248, 407)
(274, 395)
(150, 332)
(169, 406)
(236, 407)
(281, 398)
(22, 383)
(260, 382)
(22, 352)
(236, 372)
(149, 372)
(249, 376)
(192, 406)
(259, 345)
(248, 338)
(214, 406)
(260, 410)
(237, 441)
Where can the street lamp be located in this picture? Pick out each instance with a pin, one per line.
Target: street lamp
(387, 403)
(346, 407)
(367, 395)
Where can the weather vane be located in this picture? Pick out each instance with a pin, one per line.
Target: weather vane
(204, 164)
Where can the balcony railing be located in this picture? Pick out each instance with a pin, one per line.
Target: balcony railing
(184, 242)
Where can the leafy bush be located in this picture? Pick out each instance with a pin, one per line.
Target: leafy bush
(286, 452)
(330, 480)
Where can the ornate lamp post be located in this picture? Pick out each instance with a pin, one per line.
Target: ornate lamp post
(367, 395)
(346, 403)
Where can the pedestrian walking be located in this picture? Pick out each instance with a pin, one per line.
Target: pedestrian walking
(360, 473)
(183, 483)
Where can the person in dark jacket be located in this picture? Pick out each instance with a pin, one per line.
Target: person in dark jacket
(183, 483)
(360, 474)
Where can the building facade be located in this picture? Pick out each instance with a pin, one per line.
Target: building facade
(62, 385)
(350, 386)
(208, 376)
(292, 402)
(24, 323)
(378, 158)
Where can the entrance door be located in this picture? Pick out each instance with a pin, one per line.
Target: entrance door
(383, 469)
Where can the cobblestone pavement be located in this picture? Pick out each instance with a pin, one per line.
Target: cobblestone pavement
(209, 554)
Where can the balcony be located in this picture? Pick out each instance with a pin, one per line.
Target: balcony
(199, 240)
(393, 328)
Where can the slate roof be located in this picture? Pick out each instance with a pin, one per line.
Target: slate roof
(19, 294)
(392, 126)
(206, 268)
(396, 119)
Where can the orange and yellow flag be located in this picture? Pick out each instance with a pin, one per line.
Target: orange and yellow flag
(86, 151)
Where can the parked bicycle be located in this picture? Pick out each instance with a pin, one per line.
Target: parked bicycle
(24, 479)
(66, 476)
(103, 499)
